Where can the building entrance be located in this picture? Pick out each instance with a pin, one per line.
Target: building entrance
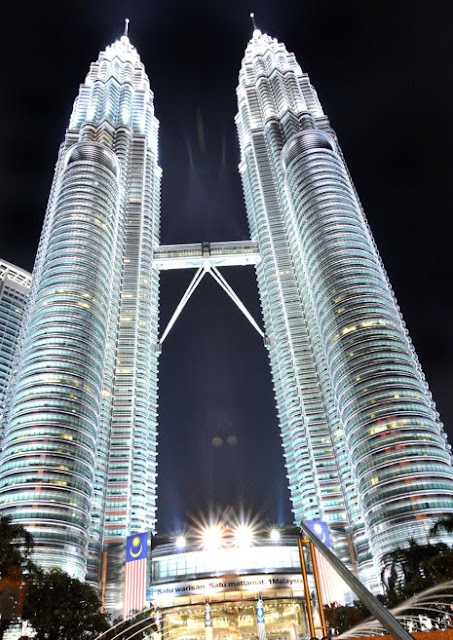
(236, 620)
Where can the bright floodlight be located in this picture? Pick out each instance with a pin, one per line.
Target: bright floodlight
(275, 535)
(212, 538)
(180, 542)
(243, 536)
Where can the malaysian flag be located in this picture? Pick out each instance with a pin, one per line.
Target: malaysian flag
(135, 573)
(321, 531)
(333, 589)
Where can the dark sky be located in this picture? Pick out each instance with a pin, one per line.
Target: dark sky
(383, 72)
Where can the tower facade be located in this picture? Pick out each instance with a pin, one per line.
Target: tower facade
(363, 444)
(78, 466)
(14, 288)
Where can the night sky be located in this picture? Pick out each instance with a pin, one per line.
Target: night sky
(383, 72)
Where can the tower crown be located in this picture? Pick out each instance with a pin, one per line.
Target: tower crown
(259, 40)
(263, 54)
(116, 92)
(122, 49)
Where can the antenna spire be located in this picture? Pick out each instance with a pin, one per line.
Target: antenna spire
(126, 27)
(252, 15)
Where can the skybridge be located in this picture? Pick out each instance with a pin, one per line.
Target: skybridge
(207, 257)
(194, 256)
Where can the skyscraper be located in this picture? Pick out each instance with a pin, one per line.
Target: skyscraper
(14, 288)
(363, 444)
(78, 465)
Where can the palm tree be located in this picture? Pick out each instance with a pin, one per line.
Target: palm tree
(408, 570)
(445, 523)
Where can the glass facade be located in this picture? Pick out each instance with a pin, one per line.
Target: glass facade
(78, 466)
(284, 620)
(220, 254)
(363, 445)
(263, 558)
(195, 588)
(14, 288)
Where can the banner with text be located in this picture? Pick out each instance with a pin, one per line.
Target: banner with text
(211, 586)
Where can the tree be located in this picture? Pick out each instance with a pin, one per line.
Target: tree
(412, 569)
(16, 544)
(445, 523)
(343, 617)
(60, 607)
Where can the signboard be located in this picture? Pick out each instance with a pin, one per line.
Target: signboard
(212, 586)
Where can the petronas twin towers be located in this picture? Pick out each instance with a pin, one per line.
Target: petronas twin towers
(363, 445)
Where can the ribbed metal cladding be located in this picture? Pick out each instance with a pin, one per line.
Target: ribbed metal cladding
(81, 413)
(50, 441)
(304, 141)
(14, 289)
(276, 103)
(95, 153)
(395, 441)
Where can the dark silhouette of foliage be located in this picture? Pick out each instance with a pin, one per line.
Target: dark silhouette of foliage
(16, 544)
(60, 607)
(406, 572)
(412, 569)
(340, 618)
(443, 524)
(15, 548)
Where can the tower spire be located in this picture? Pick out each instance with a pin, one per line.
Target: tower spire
(252, 15)
(126, 27)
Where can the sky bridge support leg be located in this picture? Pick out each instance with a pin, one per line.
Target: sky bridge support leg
(215, 273)
(218, 277)
(198, 277)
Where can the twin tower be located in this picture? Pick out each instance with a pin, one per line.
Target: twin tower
(363, 446)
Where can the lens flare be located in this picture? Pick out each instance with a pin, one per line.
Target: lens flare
(180, 542)
(212, 538)
(243, 536)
